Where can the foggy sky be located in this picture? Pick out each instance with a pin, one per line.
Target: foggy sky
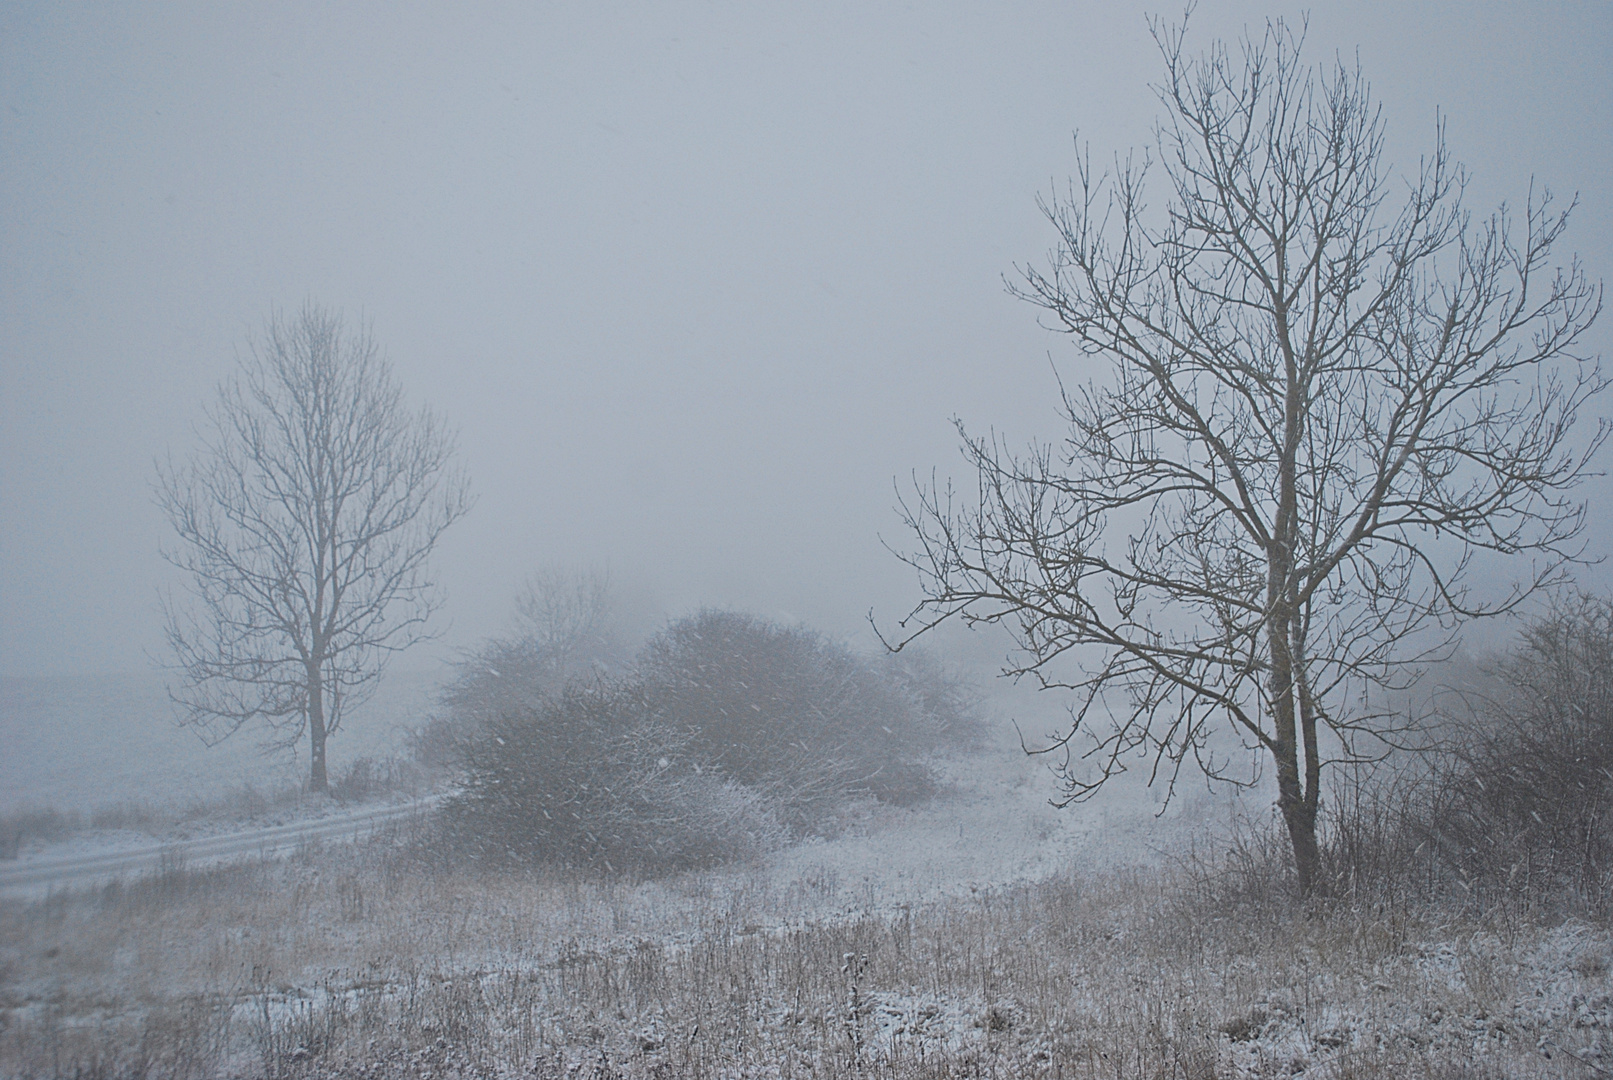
(694, 281)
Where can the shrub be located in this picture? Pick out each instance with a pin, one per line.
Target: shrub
(1517, 802)
(1532, 784)
(370, 778)
(791, 714)
(733, 733)
(502, 677)
(901, 782)
(434, 744)
(590, 776)
(948, 704)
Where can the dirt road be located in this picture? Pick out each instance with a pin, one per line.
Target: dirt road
(65, 866)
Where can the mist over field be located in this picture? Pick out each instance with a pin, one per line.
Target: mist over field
(93, 740)
(661, 327)
(694, 284)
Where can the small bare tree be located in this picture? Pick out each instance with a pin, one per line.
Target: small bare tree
(564, 631)
(1320, 410)
(304, 525)
(566, 616)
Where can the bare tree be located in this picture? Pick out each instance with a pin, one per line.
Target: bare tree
(304, 525)
(564, 631)
(1320, 410)
(567, 617)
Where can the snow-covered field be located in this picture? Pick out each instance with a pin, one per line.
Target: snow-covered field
(986, 934)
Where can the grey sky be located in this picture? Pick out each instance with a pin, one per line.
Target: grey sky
(695, 281)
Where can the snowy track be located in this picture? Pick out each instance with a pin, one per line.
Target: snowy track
(55, 870)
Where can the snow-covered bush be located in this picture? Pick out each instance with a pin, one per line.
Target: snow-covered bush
(1518, 800)
(729, 734)
(1532, 787)
(948, 704)
(590, 776)
(792, 714)
(502, 676)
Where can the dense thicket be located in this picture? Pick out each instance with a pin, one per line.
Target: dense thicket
(727, 735)
(1531, 787)
(790, 713)
(591, 775)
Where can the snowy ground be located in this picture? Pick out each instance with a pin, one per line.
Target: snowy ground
(95, 857)
(988, 929)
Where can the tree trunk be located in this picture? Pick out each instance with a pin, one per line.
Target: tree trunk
(1299, 813)
(316, 731)
(1306, 854)
(1300, 818)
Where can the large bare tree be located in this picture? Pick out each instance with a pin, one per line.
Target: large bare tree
(1325, 396)
(304, 524)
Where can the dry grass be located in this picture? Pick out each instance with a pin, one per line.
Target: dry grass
(363, 961)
